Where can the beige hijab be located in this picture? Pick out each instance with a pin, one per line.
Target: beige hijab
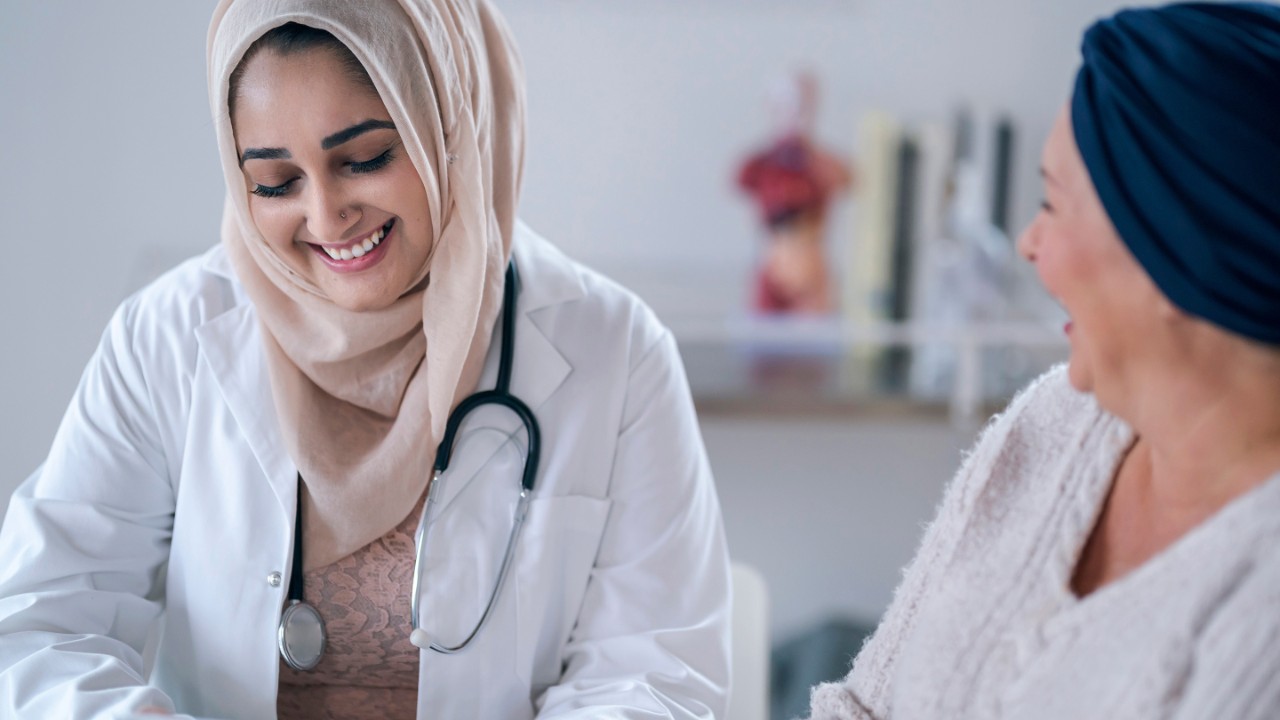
(362, 398)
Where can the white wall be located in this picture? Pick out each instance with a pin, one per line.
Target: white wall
(108, 156)
(829, 510)
(639, 112)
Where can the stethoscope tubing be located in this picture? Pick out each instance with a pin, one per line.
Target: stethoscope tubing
(492, 397)
(419, 637)
(500, 395)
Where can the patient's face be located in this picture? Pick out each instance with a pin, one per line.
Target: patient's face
(1084, 265)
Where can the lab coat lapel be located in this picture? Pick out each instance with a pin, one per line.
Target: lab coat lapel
(538, 369)
(232, 347)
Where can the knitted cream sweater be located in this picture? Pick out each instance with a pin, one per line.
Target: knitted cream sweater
(984, 624)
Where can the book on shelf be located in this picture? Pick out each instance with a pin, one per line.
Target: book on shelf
(932, 208)
(936, 167)
(868, 281)
(1002, 174)
(894, 359)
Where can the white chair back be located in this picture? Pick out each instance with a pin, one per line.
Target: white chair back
(749, 695)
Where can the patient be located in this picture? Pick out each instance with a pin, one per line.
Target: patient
(1111, 547)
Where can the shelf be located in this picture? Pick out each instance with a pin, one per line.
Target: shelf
(814, 332)
(820, 367)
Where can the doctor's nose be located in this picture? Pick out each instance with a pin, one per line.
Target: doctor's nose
(330, 214)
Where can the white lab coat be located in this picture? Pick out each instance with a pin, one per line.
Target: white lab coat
(167, 502)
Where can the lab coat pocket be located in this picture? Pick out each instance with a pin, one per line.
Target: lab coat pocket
(557, 553)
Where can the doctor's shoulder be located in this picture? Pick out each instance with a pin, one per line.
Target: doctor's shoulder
(191, 293)
(159, 325)
(164, 315)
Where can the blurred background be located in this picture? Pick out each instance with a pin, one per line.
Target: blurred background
(832, 425)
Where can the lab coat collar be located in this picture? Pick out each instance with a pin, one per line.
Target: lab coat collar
(547, 276)
(231, 345)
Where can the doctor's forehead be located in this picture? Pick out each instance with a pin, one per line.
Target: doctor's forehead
(317, 47)
(309, 97)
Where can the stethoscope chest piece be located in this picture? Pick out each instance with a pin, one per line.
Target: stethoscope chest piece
(302, 636)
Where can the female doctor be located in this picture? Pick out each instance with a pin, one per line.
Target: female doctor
(239, 516)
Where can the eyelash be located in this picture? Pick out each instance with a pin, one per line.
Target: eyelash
(369, 166)
(271, 191)
(359, 168)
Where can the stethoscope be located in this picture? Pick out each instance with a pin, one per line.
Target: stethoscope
(302, 634)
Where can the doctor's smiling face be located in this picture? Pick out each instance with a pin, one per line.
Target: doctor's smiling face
(330, 187)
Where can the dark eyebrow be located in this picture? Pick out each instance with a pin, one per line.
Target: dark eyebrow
(264, 154)
(328, 143)
(355, 131)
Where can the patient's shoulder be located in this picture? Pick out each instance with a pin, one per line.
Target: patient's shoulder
(1048, 416)
(1050, 402)
(1038, 437)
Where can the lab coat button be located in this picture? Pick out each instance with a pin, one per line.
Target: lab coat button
(273, 579)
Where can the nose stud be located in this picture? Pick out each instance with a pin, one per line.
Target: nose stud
(342, 214)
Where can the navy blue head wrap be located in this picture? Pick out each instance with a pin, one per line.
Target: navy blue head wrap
(1176, 112)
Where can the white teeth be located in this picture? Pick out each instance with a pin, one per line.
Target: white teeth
(358, 249)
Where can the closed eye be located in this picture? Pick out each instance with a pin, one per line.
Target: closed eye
(271, 191)
(375, 164)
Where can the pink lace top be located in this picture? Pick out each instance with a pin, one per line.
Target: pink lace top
(369, 668)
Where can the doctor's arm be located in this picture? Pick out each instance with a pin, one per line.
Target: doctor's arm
(652, 637)
(81, 550)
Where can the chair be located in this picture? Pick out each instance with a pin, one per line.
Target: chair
(749, 695)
